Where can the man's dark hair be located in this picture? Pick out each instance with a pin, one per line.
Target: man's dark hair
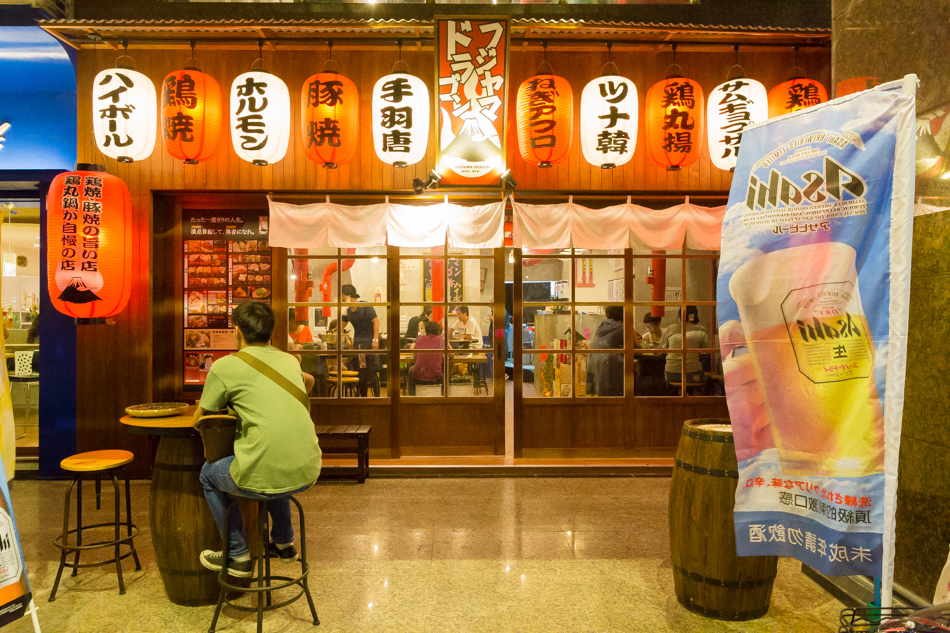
(255, 320)
(433, 328)
(614, 313)
(427, 310)
(462, 309)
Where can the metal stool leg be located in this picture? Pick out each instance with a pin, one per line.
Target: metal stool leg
(62, 555)
(128, 518)
(263, 563)
(304, 565)
(78, 522)
(118, 529)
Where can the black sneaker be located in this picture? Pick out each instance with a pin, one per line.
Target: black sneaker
(286, 554)
(215, 561)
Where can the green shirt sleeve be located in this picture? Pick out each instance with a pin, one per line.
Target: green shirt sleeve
(214, 396)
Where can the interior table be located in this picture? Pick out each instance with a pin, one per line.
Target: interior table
(181, 523)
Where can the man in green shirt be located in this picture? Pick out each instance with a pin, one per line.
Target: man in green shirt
(275, 450)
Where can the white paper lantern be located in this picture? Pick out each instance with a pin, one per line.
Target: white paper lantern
(124, 114)
(400, 119)
(260, 117)
(609, 112)
(732, 107)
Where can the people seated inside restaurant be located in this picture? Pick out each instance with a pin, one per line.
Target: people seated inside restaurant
(427, 369)
(653, 334)
(300, 332)
(415, 328)
(696, 337)
(605, 371)
(466, 329)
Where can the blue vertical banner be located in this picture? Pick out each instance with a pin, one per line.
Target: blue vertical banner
(813, 288)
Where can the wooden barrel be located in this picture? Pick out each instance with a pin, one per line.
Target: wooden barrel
(182, 525)
(708, 576)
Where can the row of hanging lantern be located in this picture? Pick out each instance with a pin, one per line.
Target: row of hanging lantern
(260, 121)
(674, 113)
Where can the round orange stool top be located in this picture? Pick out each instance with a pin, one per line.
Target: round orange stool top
(92, 461)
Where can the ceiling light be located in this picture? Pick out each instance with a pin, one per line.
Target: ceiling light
(508, 181)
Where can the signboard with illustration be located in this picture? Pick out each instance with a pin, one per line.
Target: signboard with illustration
(472, 81)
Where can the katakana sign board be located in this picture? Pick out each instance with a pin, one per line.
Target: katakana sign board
(472, 80)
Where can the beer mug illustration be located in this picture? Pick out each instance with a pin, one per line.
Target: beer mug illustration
(811, 347)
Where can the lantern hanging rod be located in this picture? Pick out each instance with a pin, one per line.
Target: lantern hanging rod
(554, 43)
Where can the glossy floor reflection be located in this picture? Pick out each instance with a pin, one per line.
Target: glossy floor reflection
(432, 555)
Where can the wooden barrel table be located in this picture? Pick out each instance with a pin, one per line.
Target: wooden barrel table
(708, 577)
(182, 525)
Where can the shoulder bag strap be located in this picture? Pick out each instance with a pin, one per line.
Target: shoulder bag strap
(271, 373)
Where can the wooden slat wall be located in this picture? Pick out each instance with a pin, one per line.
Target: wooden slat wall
(114, 361)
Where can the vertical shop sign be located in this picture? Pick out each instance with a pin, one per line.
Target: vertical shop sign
(813, 293)
(472, 79)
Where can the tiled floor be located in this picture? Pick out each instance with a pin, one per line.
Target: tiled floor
(433, 555)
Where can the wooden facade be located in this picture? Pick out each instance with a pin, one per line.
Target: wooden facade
(131, 361)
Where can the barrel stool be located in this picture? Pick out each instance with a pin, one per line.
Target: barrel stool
(266, 582)
(96, 465)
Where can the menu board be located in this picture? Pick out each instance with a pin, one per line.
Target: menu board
(226, 261)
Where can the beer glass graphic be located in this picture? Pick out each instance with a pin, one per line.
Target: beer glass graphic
(803, 321)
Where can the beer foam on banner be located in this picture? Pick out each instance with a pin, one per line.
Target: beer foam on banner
(815, 249)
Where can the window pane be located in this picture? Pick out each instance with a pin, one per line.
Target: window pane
(650, 375)
(470, 280)
(361, 316)
(597, 281)
(467, 331)
(422, 374)
(546, 327)
(599, 374)
(651, 327)
(468, 374)
(546, 279)
(598, 327)
(318, 366)
(411, 284)
(305, 279)
(413, 320)
(665, 274)
(552, 376)
(699, 286)
(362, 375)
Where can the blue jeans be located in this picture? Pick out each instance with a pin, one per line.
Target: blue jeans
(219, 487)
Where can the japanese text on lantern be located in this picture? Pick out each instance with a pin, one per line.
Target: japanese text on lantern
(472, 70)
(676, 122)
(112, 109)
(330, 94)
(251, 103)
(541, 111)
(612, 140)
(180, 92)
(802, 95)
(397, 121)
(81, 247)
(734, 104)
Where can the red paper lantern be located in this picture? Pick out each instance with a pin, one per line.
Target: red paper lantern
(674, 122)
(545, 120)
(330, 118)
(89, 242)
(795, 94)
(192, 112)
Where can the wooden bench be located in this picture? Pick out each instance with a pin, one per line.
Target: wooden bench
(357, 434)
